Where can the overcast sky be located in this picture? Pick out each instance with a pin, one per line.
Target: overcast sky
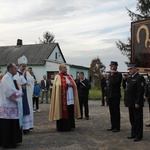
(84, 29)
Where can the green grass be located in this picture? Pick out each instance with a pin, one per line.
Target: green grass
(96, 94)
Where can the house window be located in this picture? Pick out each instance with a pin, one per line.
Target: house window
(56, 55)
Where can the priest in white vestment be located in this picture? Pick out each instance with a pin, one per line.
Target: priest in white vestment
(10, 99)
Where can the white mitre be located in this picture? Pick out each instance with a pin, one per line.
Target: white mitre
(22, 60)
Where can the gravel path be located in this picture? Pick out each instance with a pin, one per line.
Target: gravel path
(89, 134)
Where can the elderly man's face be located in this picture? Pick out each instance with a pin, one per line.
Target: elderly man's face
(132, 71)
(63, 69)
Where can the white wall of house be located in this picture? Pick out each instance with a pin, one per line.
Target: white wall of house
(52, 66)
(49, 66)
(74, 72)
(3, 69)
(56, 55)
(39, 71)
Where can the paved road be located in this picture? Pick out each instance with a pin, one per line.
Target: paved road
(88, 135)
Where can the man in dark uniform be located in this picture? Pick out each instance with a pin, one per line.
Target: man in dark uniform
(113, 94)
(134, 100)
(147, 95)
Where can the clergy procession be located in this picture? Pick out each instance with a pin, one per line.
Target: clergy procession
(16, 105)
(68, 98)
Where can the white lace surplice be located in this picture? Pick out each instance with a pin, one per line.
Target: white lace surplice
(70, 96)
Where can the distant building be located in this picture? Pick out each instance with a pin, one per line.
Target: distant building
(43, 58)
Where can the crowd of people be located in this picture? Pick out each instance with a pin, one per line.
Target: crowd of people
(19, 92)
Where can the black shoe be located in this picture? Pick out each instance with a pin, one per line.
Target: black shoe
(102, 105)
(111, 129)
(87, 118)
(41, 102)
(148, 125)
(116, 130)
(131, 137)
(136, 140)
(80, 118)
(25, 131)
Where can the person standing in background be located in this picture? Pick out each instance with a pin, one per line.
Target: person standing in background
(124, 81)
(36, 95)
(45, 88)
(77, 77)
(51, 85)
(31, 72)
(103, 88)
(83, 86)
(113, 94)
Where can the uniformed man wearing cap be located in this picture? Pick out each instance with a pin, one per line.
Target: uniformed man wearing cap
(26, 83)
(113, 94)
(134, 100)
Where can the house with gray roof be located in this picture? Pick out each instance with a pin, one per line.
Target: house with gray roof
(43, 58)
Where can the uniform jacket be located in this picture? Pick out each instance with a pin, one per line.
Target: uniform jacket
(134, 93)
(113, 85)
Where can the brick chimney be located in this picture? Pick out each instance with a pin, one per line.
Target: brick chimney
(19, 42)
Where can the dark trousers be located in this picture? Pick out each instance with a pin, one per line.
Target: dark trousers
(136, 120)
(84, 102)
(50, 92)
(10, 132)
(36, 101)
(103, 95)
(114, 108)
(66, 124)
(46, 92)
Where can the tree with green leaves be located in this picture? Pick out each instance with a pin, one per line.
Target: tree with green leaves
(142, 12)
(96, 70)
(47, 38)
